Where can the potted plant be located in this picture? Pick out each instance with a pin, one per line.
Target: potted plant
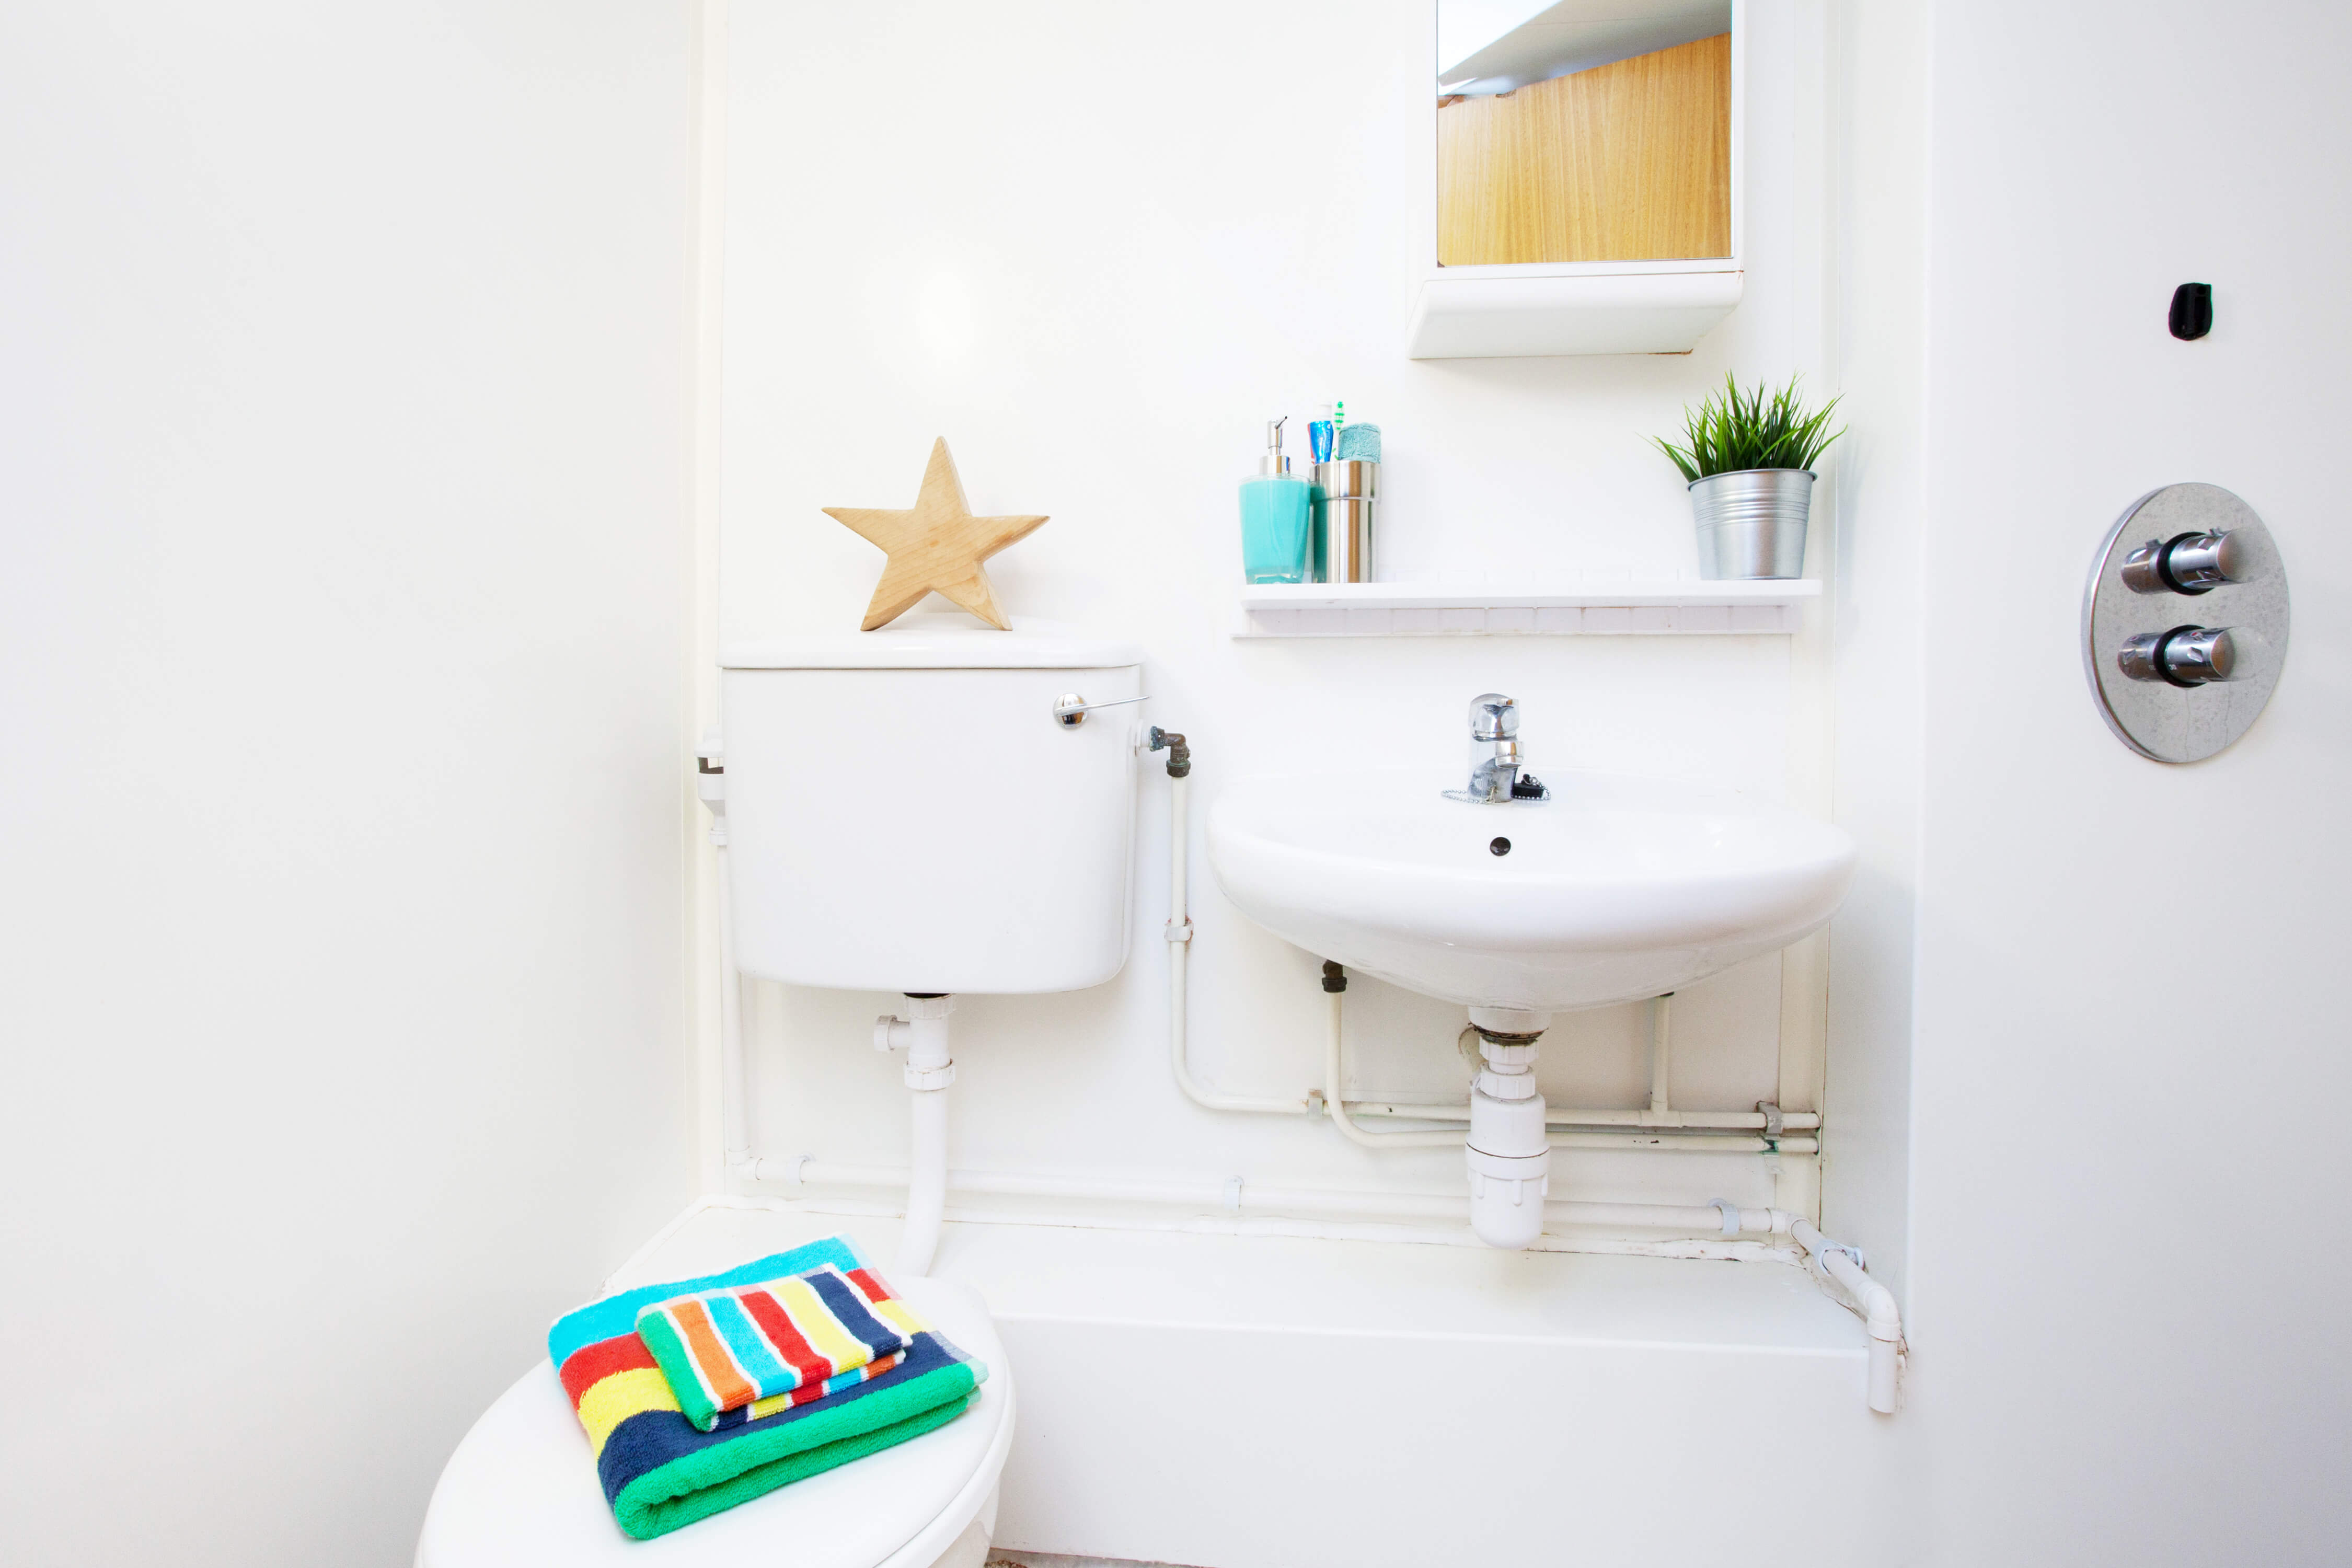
(1750, 462)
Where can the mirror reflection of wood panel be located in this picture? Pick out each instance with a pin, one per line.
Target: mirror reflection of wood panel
(1626, 161)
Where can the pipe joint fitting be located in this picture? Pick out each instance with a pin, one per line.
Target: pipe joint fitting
(1513, 1054)
(1508, 1022)
(1507, 1196)
(1506, 1085)
(1180, 754)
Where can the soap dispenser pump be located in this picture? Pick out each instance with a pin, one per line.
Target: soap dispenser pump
(1276, 513)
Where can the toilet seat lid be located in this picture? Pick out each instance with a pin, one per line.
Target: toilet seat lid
(521, 1492)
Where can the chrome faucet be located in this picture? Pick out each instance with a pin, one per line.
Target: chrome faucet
(1494, 760)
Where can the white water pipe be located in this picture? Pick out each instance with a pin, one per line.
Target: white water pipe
(1180, 946)
(1343, 1117)
(1662, 1009)
(1334, 1072)
(734, 1114)
(1686, 1120)
(1232, 1194)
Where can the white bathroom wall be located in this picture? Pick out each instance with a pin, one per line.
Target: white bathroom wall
(1875, 64)
(342, 629)
(2124, 1275)
(1096, 247)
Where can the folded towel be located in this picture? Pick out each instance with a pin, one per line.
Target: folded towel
(721, 1350)
(659, 1471)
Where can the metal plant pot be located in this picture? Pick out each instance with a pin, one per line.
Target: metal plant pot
(1751, 523)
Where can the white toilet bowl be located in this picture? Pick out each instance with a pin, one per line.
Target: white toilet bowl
(520, 1491)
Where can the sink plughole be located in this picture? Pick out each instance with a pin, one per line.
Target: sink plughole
(1618, 888)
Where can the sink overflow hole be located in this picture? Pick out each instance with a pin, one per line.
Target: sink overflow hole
(1500, 847)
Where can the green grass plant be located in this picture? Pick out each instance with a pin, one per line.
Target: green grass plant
(1740, 430)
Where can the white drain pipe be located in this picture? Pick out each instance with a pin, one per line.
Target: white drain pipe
(1843, 1267)
(930, 1071)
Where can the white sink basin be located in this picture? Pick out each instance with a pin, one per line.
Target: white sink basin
(1616, 889)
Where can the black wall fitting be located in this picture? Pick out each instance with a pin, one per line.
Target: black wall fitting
(2192, 311)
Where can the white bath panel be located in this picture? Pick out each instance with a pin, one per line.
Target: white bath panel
(1267, 1402)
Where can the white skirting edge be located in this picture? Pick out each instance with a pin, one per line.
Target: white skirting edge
(1137, 1219)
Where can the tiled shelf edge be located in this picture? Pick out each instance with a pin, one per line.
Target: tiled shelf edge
(1636, 606)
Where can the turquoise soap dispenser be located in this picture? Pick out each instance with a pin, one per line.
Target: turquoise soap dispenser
(1274, 515)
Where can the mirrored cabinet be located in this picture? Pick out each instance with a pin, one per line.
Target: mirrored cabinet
(1585, 190)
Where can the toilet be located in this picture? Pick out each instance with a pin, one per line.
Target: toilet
(520, 1491)
(931, 809)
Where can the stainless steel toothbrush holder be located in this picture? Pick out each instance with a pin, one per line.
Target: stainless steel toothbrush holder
(1344, 494)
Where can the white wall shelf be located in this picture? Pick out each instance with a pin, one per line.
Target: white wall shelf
(1499, 312)
(1635, 606)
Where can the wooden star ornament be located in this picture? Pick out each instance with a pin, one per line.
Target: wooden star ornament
(935, 545)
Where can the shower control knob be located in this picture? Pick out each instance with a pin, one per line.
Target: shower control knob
(2185, 656)
(2188, 564)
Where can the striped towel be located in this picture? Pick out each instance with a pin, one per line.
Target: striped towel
(794, 1340)
(659, 1471)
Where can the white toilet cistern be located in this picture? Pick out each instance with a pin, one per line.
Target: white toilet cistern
(814, 876)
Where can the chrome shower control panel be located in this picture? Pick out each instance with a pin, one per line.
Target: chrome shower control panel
(2184, 623)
